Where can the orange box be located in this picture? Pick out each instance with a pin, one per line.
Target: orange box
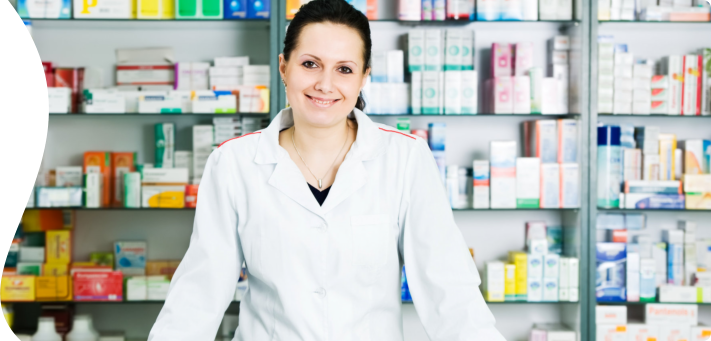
(53, 288)
(100, 162)
(46, 220)
(55, 269)
(191, 192)
(17, 288)
(619, 236)
(59, 246)
(156, 267)
(121, 163)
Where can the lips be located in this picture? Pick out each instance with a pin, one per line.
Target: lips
(322, 102)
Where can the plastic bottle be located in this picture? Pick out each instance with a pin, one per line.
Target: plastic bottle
(609, 166)
(46, 330)
(82, 329)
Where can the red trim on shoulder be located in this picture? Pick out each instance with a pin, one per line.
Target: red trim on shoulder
(397, 132)
(234, 138)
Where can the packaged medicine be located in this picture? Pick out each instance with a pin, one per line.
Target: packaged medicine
(527, 182)
(481, 184)
(503, 174)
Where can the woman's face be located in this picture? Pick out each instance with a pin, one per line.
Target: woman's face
(324, 74)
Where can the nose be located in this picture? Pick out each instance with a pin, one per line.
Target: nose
(324, 83)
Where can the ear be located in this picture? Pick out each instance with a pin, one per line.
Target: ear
(282, 66)
(365, 78)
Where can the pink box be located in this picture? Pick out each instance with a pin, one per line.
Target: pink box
(523, 58)
(502, 101)
(501, 60)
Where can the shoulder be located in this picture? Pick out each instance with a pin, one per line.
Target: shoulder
(400, 141)
(241, 141)
(239, 148)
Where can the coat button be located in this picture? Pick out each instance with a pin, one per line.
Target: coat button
(321, 292)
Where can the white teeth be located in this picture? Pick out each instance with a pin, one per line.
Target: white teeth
(322, 102)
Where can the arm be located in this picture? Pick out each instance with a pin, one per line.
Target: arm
(204, 284)
(442, 276)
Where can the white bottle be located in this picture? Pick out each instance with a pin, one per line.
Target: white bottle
(82, 330)
(46, 330)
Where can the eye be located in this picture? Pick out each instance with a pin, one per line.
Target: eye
(309, 64)
(345, 69)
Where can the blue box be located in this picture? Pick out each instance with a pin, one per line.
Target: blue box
(654, 201)
(610, 284)
(235, 9)
(258, 9)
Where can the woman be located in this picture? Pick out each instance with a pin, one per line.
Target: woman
(324, 206)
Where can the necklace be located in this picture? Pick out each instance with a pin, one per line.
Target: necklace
(307, 166)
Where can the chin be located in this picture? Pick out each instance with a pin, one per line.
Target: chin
(323, 117)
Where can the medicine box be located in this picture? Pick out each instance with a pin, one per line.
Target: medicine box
(510, 282)
(611, 259)
(100, 162)
(550, 289)
(699, 333)
(155, 9)
(104, 9)
(59, 246)
(540, 138)
(569, 185)
(638, 331)
(59, 196)
(687, 314)
(520, 260)
(130, 257)
(501, 57)
(567, 141)
(677, 294)
(415, 50)
(164, 187)
(199, 9)
(503, 174)
(674, 331)
(481, 183)
(550, 185)
(535, 266)
(535, 290)
(607, 314)
(17, 288)
(611, 332)
(136, 288)
(494, 282)
(53, 288)
(98, 286)
(654, 201)
(527, 182)
(551, 266)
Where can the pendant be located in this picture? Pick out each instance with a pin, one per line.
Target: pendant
(319, 183)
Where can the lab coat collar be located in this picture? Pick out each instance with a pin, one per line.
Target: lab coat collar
(369, 142)
(351, 175)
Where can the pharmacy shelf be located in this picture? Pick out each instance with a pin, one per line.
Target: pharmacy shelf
(643, 303)
(154, 115)
(652, 22)
(465, 22)
(192, 209)
(649, 210)
(480, 115)
(96, 302)
(143, 20)
(604, 116)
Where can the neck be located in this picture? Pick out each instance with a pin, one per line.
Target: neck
(311, 139)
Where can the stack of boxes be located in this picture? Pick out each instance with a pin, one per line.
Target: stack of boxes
(624, 87)
(526, 10)
(559, 69)
(387, 92)
(661, 322)
(633, 268)
(444, 80)
(538, 275)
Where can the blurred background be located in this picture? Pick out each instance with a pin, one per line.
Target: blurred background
(572, 138)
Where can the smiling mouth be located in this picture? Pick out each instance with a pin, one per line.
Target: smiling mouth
(322, 102)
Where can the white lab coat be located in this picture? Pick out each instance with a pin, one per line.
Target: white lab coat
(328, 272)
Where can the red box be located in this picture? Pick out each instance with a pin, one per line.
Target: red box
(98, 286)
(619, 236)
(48, 73)
(69, 78)
(191, 192)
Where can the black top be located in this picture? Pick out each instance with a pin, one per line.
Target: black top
(319, 195)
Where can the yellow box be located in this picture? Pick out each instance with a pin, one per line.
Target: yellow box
(55, 269)
(59, 246)
(46, 220)
(155, 9)
(17, 288)
(667, 148)
(520, 260)
(509, 282)
(53, 288)
(698, 201)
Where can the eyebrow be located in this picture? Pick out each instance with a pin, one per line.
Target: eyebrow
(319, 59)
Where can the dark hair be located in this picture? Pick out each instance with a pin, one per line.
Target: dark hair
(337, 12)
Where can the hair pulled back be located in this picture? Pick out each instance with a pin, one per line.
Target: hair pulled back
(336, 12)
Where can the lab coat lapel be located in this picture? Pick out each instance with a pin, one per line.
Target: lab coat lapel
(351, 177)
(287, 178)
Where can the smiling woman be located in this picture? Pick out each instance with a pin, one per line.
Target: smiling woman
(323, 207)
